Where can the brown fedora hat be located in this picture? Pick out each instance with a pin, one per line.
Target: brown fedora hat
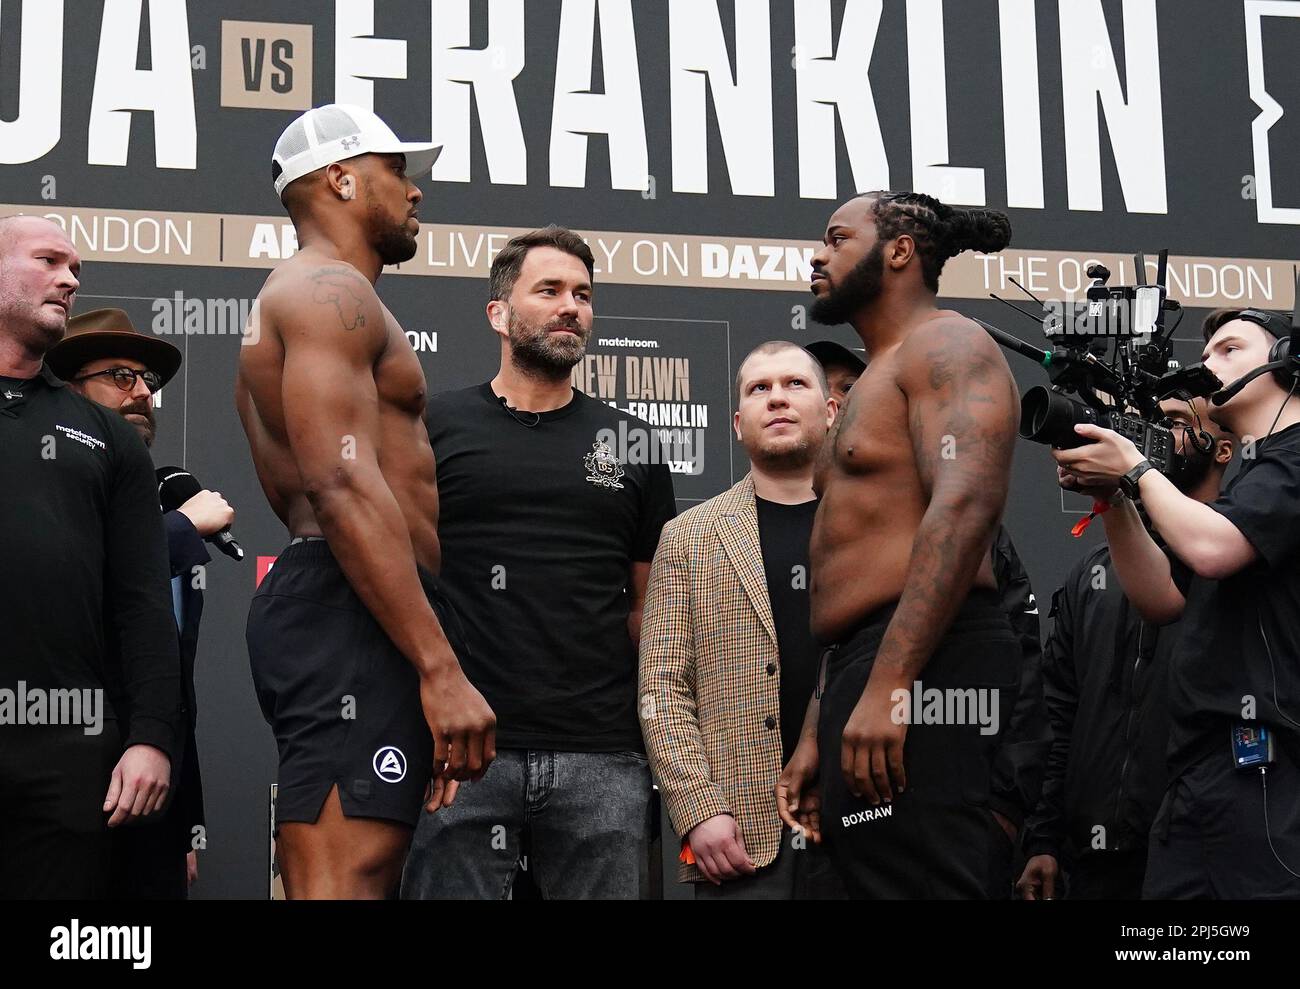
(109, 333)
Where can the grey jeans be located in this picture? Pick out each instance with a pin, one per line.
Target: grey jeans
(583, 816)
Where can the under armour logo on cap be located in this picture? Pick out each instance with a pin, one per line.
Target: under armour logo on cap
(336, 132)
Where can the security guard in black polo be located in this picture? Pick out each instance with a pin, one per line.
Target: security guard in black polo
(85, 559)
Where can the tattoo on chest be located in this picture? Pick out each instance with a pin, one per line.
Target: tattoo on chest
(339, 288)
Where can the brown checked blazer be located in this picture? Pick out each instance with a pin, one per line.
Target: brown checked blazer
(710, 674)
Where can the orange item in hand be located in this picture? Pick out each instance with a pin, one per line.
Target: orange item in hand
(1098, 507)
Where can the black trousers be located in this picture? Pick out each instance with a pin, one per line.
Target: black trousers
(149, 857)
(54, 839)
(1209, 839)
(147, 864)
(1108, 876)
(938, 839)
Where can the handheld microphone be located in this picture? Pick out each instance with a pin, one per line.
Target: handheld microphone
(176, 486)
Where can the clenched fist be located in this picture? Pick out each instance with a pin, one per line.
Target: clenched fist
(209, 512)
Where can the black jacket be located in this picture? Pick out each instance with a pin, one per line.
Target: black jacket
(1105, 674)
(186, 550)
(83, 600)
(1018, 766)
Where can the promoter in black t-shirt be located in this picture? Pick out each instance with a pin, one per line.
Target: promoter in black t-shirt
(784, 533)
(540, 523)
(1240, 642)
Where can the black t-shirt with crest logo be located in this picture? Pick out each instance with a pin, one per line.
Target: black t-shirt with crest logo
(540, 522)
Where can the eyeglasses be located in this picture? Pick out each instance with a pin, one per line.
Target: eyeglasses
(124, 378)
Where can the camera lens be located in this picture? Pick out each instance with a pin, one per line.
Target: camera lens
(1049, 417)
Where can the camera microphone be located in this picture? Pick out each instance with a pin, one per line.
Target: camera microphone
(1285, 351)
(176, 486)
(1231, 392)
(1014, 343)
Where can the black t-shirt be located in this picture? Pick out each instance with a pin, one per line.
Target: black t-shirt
(540, 525)
(1241, 635)
(784, 532)
(83, 539)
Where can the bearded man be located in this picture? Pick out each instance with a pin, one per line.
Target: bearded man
(551, 508)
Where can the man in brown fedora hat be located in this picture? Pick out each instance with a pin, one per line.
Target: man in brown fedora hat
(104, 358)
(79, 520)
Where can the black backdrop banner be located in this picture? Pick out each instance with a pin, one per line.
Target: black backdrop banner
(700, 145)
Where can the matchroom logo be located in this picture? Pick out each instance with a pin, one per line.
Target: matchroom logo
(266, 66)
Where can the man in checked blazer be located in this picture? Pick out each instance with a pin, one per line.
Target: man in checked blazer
(727, 658)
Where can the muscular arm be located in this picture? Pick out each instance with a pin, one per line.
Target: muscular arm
(333, 331)
(962, 416)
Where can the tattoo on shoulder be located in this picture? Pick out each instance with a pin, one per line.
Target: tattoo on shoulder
(972, 410)
(340, 287)
(958, 357)
(941, 370)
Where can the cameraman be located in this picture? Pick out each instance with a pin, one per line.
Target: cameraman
(1221, 832)
(1106, 672)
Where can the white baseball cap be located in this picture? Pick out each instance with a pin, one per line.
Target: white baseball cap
(338, 131)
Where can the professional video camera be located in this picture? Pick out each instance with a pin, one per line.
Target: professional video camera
(1114, 353)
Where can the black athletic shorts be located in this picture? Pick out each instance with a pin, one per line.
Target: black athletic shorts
(937, 839)
(343, 702)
